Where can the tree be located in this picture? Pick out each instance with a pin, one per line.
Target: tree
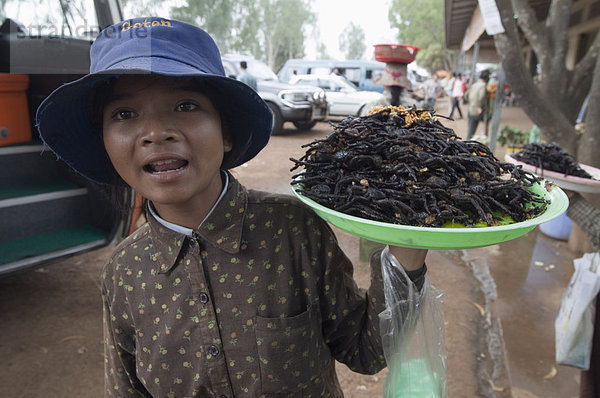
(287, 34)
(142, 8)
(247, 29)
(214, 16)
(2, 10)
(352, 41)
(554, 103)
(423, 26)
(270, 30)
(432, 57)
(322, 51)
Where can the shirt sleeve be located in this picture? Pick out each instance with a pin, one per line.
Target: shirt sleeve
(120, 378)
(480, 96)
(351, 315)
(587, 218)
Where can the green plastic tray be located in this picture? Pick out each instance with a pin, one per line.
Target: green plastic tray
(441, 238)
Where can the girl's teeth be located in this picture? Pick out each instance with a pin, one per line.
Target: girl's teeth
(166, 165)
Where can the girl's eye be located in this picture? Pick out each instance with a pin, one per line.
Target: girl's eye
(186, 107)
(123, 114)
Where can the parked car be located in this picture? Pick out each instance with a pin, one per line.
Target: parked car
(344, 98)
(304, 106)
(48, 211)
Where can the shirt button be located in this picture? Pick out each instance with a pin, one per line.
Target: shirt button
(203, 298)
(213, 350)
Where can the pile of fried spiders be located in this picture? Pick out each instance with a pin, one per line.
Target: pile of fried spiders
(402, 166)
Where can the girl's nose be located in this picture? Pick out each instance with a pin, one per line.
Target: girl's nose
(156, 130)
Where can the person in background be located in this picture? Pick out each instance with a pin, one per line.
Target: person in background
(478, 103)
(468, 82)
(247, 77)
(397, 89)
(492, 88)
(457, 93)
(433, 89)
(338, 72)
(450, 84)
(587, 217)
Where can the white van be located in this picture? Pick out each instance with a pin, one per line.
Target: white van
(361, 73)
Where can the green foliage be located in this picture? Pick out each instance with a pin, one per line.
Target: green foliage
(432, 57)
(246, 30)
(418, 26)
(270, 30)
(352, 42)
(288, 33)
(513, 137)
(2, 11)
(141, 8)
(322, 51)
(215, 16)
(422, 24)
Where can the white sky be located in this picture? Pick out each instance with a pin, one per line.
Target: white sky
(333, 16)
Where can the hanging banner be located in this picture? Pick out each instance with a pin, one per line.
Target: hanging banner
(491, 16)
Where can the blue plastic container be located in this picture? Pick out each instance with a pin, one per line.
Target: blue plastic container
(559, 228)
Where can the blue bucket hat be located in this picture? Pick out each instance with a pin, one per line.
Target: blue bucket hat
(148, 45)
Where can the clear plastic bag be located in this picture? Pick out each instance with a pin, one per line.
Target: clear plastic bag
(412, 329)
(574, 323)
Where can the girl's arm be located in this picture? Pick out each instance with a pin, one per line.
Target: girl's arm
(351, 315)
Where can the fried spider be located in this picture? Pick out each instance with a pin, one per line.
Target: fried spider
(550, 157)
(402, 166)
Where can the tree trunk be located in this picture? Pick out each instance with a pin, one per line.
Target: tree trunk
(542, 109)
(589, 143)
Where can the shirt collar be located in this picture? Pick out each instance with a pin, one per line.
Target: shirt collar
(222, 228)
(184, 230)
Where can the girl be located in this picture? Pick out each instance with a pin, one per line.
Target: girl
(224, 291)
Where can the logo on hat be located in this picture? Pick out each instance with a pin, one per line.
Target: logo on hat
(146, 24)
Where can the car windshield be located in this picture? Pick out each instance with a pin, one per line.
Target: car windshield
(328, 83)
(346, 84)
(75, 18)
(261, 71)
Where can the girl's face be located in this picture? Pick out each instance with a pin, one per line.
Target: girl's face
(165, 140)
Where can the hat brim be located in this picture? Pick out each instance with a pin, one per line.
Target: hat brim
(65, 126)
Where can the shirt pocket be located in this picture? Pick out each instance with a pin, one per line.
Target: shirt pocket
(289, 351)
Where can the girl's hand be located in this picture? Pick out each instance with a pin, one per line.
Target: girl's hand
(411, 259)
(572, 195)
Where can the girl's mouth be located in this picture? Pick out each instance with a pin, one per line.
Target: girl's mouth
(165, 166)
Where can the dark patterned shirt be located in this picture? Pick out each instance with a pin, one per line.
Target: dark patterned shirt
(259, 301)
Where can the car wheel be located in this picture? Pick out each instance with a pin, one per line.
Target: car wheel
(305, 126)
(277, 119)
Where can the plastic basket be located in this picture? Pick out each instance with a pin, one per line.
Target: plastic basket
(400, 53)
